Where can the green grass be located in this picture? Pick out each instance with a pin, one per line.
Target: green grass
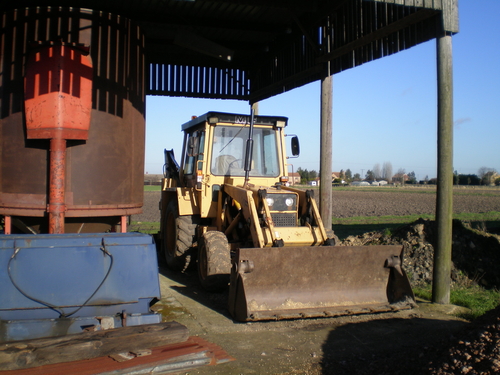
(144, 227)
(152, 187)
(353, 226)
(473, 297)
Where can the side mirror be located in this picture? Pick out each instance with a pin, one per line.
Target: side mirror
(295, 146)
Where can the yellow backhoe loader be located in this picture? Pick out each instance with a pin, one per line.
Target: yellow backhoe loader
(230, 206)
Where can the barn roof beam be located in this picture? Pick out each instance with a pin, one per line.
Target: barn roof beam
(413, 18)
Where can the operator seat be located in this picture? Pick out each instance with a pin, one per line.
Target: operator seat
(224, 163)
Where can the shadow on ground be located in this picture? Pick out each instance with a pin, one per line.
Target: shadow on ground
(189, 286)
(385, 346)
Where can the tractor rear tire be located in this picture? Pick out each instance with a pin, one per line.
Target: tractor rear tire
(179, 237)
(214, 261)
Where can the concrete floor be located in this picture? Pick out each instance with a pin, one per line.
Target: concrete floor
(308, 346)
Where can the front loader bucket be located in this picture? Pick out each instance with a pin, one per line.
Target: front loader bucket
(301, 282)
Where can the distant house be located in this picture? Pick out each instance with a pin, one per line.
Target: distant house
(338, 178)
(294, 178)
(400, 178)
(314, 182)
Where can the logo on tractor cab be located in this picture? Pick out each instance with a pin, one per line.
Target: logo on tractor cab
(242, 120)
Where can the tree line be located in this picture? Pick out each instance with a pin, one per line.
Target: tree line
(485, 176)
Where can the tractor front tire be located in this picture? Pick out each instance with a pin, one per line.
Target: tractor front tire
(214, 261)
(178, 238)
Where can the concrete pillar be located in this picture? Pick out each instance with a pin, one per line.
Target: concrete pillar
(444, 203)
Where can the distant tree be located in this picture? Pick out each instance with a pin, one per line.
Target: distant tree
(356, 177)
(468, 179)
(348, 175)
(377, 174)
(486, 175)
(412, 178)
(369, 175)
(304, 175)
(401, 175)
(484, 170)
(387, 171)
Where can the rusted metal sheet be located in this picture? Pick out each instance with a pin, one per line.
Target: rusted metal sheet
(284, 283)
(170, 358)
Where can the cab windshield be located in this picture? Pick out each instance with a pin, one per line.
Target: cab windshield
(228, 152)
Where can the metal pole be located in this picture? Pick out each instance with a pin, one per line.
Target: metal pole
(249, 148)
(444, 202)
(57, 182)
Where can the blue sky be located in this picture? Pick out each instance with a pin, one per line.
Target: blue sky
(383, 111)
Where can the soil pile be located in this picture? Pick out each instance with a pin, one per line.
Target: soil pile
(475, 253)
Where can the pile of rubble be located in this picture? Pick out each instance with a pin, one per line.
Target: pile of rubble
(477, 351)
(475, 253)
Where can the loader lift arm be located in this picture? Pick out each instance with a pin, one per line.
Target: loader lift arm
(171, 167)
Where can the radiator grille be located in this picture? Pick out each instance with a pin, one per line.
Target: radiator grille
(284, 220)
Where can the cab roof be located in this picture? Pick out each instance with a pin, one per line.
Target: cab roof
(234, 118)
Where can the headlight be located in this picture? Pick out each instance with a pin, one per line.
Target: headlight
(289, 202)
(270, 201)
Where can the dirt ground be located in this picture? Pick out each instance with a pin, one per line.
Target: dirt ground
(363, 344)
(424, 340)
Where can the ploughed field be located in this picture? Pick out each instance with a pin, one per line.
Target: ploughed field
(373, 201)
(410, 201)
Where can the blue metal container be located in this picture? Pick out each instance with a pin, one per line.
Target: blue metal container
(53, 285)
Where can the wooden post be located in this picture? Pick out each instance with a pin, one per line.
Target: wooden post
(325, 165)
(444, 202)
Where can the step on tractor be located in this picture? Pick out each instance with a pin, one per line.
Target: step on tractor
(230, 205)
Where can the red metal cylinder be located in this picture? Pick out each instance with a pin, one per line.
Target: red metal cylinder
(105, 173)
